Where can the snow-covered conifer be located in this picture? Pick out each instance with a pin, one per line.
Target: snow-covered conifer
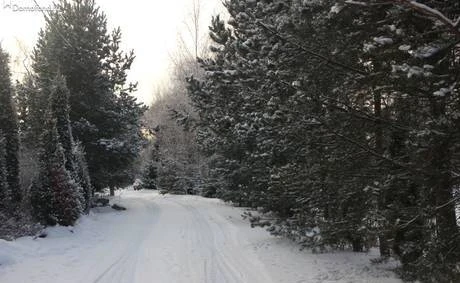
(55, 196)
(9, 128)
(339, 118)
(3, 173)
(104, 115)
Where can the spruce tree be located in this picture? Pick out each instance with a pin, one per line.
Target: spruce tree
(54, 194)
(59, 107)
(62, 189)
(73, 151)
(82, 176)
(9, 128)
(25, 90)
(150, 175)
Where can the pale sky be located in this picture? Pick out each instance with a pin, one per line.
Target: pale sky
(150, 28)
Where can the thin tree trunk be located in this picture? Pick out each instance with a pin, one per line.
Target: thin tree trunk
(383, 239)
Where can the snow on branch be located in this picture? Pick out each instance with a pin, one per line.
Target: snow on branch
(454, 25)
(422, 8)
(311, 52)
(366, 4)
(359, 3)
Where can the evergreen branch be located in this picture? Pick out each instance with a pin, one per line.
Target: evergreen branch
(364, 147)
(452, 201)
(357, 113)
(435, 211)
(49, 21)
(405, 225)
(371, 151)
(313, 53)
(363, 116)
(433, 13)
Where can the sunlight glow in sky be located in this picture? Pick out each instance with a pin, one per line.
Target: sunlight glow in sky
(149, 27)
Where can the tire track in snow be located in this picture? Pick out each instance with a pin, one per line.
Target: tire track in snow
(225, 267)
(175, 239)
(123, 268)
(221, 271)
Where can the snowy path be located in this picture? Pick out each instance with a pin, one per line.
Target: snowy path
(173, 239)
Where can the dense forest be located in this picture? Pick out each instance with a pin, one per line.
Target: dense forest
(337, 122)
(71, 127)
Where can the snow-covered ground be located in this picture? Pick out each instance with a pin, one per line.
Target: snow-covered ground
(174, 239)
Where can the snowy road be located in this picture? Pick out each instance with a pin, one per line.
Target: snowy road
(173, 239)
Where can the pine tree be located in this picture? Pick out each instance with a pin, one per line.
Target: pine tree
(9, 128)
